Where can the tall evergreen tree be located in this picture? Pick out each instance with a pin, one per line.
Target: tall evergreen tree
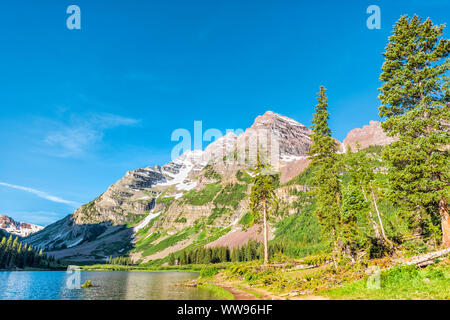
(262, 200)
(171, 259)
(323, 157)
(362, 173)
(353, 207)
(415, 101)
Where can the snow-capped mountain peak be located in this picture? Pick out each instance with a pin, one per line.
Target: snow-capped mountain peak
(21, 229)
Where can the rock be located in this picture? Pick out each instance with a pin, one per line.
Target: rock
(101, 229)
(21, 229)
(368, 135)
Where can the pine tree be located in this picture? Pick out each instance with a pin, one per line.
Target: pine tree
(171, 259)
(235, 255)
(362, 174)
(324, 159)
(208, 256)
(183, 258)
(262, 200)
(353, 207)
(415, 99)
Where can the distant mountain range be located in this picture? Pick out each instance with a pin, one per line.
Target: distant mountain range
(194, 200)
(21, 229)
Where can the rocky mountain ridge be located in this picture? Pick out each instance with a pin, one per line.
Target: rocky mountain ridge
(21, 229)
(192, 199)
(368, 135)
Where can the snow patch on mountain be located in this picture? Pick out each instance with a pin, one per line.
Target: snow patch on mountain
(21, 229)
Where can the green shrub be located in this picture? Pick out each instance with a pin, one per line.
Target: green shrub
(202, 197)
(209, 272)
(304, 178)
(399, 274)
(247, 220)
(216, 213)
(243, 177)
(231, 195)
(210, 173)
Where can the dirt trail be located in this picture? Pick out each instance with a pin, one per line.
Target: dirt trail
(241, 291)
(238, 294)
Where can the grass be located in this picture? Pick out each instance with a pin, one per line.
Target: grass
(243, 177)
(144, 242)
(216, 213)
(135, 220)
(246, 220)
(170, 241)
(218, 292)
(231, 195)
(166, 201)
(304, 178)
(400, 283)
(255, 293)
(202, 197)
(210, 173)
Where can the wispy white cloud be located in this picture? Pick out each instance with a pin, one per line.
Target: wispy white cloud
(40, 218)
(75, 138)
(41, 194)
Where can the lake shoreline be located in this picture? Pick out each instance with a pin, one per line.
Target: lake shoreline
(123, 285)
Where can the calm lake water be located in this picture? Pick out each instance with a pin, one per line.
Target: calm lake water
(117, 285)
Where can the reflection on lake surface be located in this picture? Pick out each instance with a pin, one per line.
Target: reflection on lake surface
(117, 285)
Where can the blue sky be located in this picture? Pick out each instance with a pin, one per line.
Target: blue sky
(81, 107)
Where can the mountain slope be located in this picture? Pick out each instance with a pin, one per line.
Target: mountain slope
(368, 135)
(20, 229)
(196, 199)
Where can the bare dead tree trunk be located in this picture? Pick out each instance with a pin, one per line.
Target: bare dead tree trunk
(266, 249)
(379, 216)
(445, 222)
(374, 224)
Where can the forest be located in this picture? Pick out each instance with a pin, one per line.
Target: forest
(17, 255)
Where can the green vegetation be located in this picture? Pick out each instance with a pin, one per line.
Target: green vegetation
(202, 197)
(247, 220)
(212, 174)
(166, 201)
(301, 234)
(180, 220)
(87, 284)
(354, 211)
(209, 272)
(123, 261)
(135, 220)
(146, 241)
(303, 178)
(418, 114)
(251, 251)
(216, 213)
(327, 187)
(263, 200)
(218, 292)
(170, 241)
(15, 254)
(243, 176)
(231, 195)
(400, 283)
